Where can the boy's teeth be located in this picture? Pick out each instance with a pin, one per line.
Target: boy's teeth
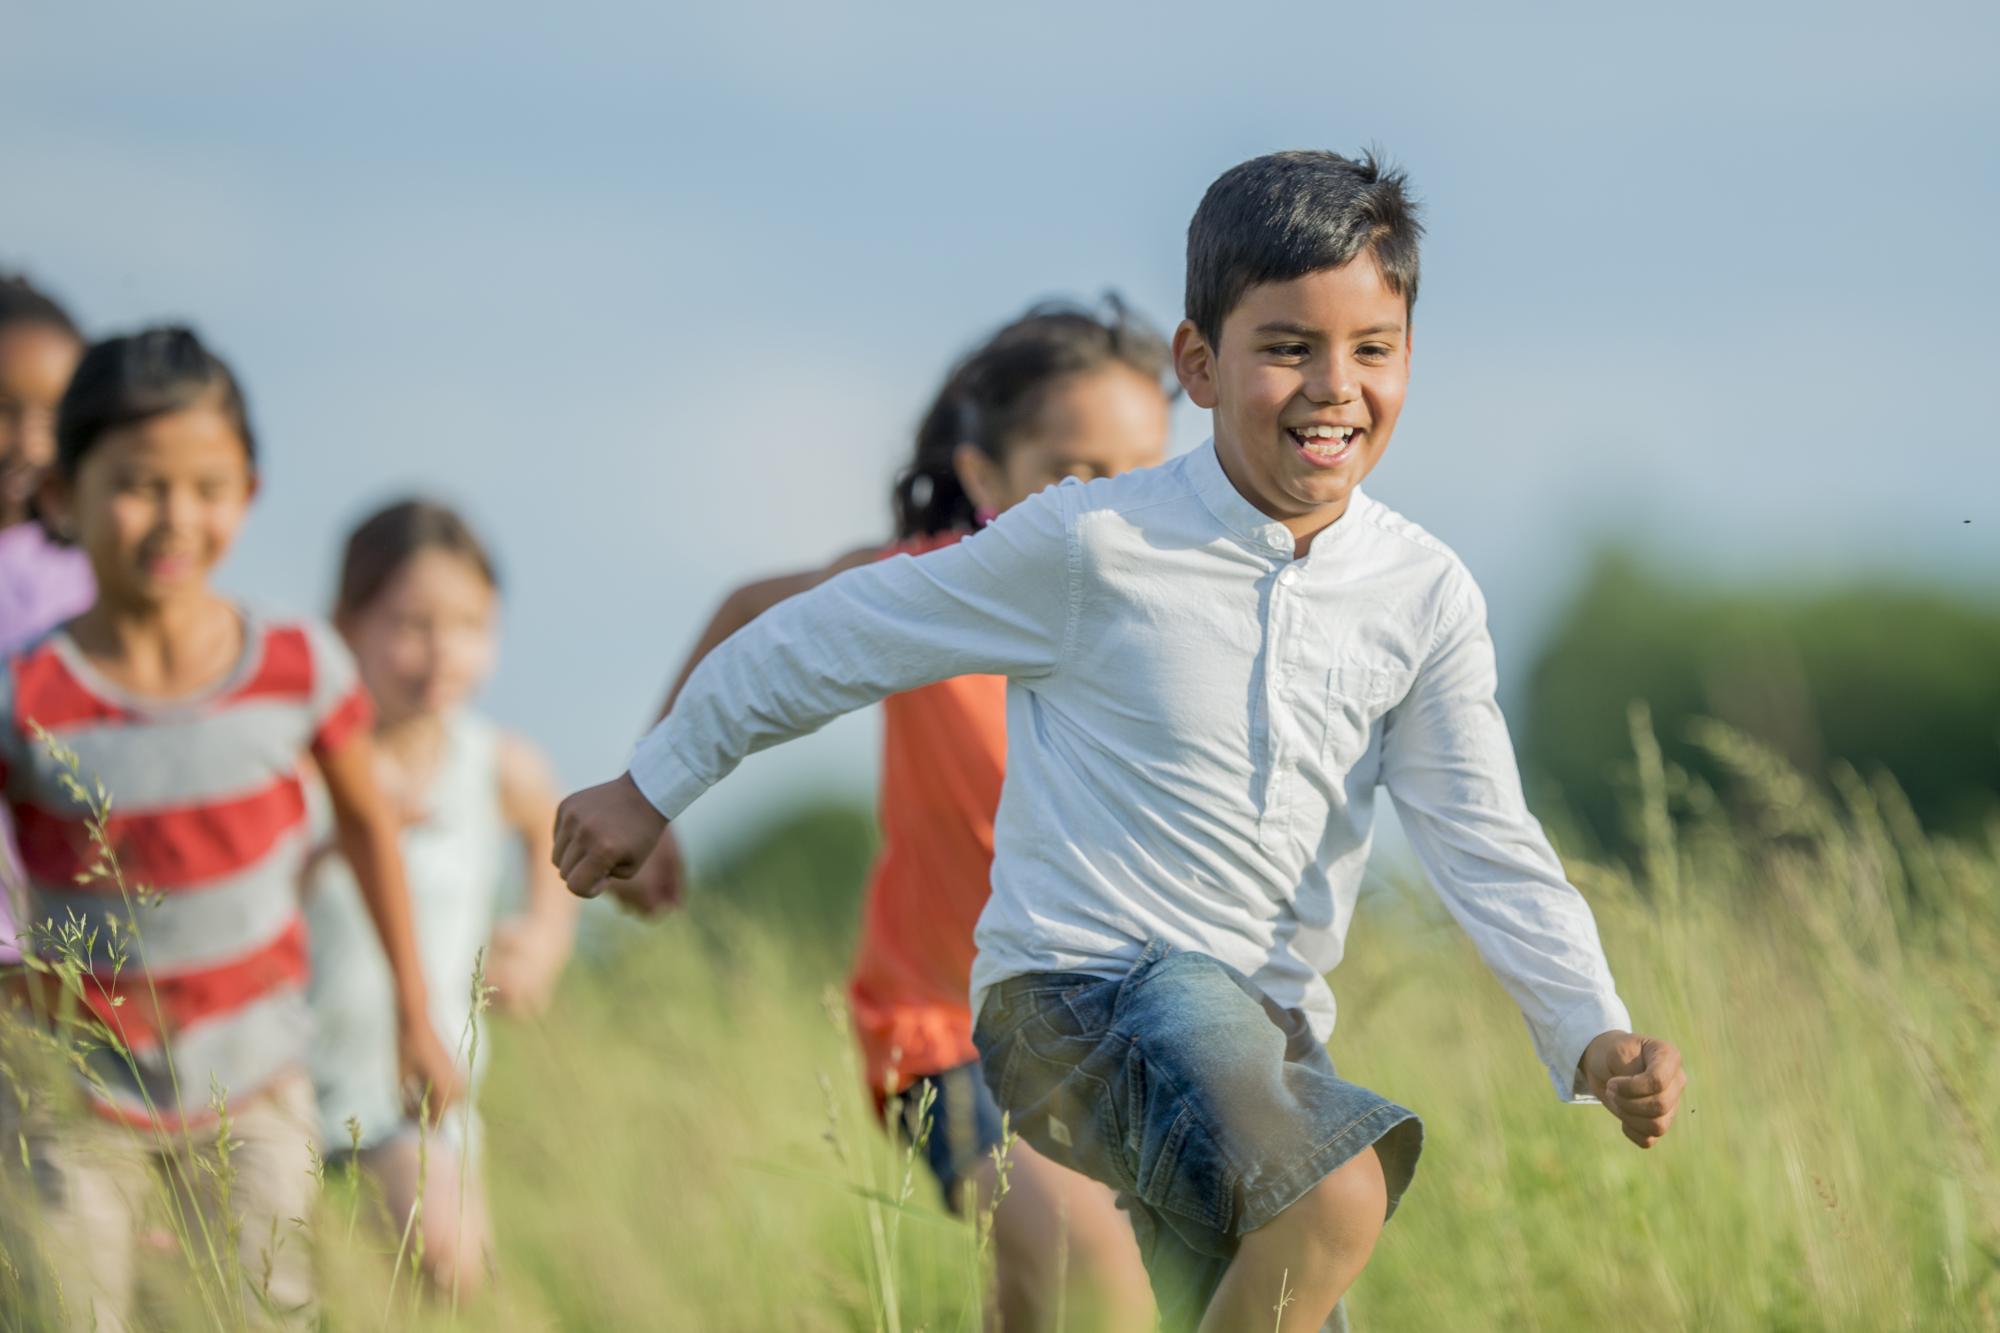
(1340, 433)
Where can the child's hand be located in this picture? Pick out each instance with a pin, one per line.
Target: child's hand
(523, 964)
(604, 833)
(1639, 1080)
(430, 1077)
(660, 885)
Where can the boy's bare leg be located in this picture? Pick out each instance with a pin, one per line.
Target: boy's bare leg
(1060, 1236)
(1311, 1253)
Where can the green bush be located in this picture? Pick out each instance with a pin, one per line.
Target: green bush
(1898, 679)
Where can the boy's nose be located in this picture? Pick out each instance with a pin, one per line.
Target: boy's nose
(1332, 382)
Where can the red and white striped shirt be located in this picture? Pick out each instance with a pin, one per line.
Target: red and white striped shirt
(208, 820)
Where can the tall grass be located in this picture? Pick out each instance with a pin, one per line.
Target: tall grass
(683, 1143)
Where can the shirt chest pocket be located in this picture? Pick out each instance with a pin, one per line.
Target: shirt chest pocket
(1356, 698)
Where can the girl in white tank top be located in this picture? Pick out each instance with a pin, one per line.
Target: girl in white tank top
(417, 606)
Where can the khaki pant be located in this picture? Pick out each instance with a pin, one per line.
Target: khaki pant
(94, 1178)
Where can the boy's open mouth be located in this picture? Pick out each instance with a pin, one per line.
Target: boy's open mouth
(1324, 446)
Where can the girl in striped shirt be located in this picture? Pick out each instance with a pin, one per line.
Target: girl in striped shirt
(197, 716)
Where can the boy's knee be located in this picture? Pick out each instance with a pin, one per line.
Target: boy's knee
(1347, 1208)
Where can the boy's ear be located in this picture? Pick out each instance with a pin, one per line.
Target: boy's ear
(1194, 364)
(978, 476)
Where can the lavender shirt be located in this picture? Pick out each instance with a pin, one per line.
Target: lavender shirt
(41, 585)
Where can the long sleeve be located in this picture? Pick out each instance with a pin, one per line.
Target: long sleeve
(1000, 602)
(1450, 768)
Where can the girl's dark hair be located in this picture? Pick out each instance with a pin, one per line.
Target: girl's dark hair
(994, 393)
(125, 380)
(390, 538)
(21, 302)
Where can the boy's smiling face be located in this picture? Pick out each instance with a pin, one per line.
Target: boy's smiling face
(1306, 385)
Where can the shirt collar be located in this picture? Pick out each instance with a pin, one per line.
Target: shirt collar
(1249, 522)
(1234, 512)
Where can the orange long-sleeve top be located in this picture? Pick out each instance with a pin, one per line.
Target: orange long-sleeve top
(944, 754)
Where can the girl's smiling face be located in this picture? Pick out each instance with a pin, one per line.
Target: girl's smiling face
(426, 642)
(156, 505)
(1306, 386)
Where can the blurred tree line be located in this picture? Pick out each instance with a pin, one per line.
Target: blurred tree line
(1886, 677)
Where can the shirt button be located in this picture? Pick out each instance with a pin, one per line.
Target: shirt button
(1289, 574)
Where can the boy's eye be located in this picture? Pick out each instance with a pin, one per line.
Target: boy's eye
(1288, 349)
(1373, 351)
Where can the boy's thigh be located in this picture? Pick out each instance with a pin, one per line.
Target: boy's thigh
(1181, 1085)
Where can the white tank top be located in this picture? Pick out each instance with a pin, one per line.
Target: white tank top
(455, 861)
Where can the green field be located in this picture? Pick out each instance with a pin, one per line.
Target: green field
(683, 1143)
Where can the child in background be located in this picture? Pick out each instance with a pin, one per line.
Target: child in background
(41, 583)
(1213, 665)
(1058, 393)
(417, 605)
(195, 714)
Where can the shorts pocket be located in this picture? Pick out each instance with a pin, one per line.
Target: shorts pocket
(1356, 699)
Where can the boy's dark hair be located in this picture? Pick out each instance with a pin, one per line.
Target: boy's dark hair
(132, 378)
(1285, 215)
(21, 302)
(995, 391)
(391, 537)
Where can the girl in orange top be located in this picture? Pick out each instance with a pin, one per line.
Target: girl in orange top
(1058, 393)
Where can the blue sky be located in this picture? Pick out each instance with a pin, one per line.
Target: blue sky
(657, 293)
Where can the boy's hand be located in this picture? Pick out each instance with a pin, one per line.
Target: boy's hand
(1639, 1080)
(603, 833)
(430, 1076)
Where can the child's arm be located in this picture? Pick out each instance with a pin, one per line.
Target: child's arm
(751, 600)
(531, 948)
(1449, 765)
(368, 839)
(1000, 602)
(659, 885)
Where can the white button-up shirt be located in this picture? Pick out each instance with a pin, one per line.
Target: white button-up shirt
(1197, 724)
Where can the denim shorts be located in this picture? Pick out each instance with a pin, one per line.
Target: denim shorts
(964, 1124)
(1209, 1107)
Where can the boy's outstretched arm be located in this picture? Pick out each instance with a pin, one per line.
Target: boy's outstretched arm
(1000, 602)
(1449, 765)
(659, 884)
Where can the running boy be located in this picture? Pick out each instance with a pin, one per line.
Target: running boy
(1060, 392)
(1212, 664)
